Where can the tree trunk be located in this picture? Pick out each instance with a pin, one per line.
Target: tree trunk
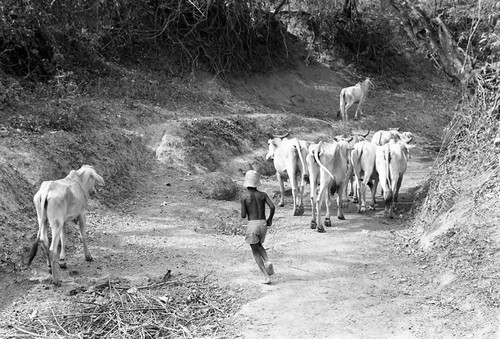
(432, 35)
(350, 9)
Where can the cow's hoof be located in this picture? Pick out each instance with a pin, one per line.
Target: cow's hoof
(328, 222)
(89, 258)
(371, 207)
(57, 283)
(341, 217)
(355, 200)
(313, 224)
(301, 210)
(62, 264)
(281, 204)
(296, 213)
(321, 230)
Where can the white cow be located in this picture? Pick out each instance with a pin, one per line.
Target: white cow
(351, 95)
(352, 139)
(289, 161)
(363, 164)
(332, 160)
(391, 163)
(58, 202)
(384, 136)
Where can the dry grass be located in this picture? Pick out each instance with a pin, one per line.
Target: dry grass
(168, 308)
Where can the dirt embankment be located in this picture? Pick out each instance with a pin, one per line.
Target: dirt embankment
(360, 279)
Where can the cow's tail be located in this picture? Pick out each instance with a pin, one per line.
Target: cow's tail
(302, 162)
(388, 178)
(41, 209)
(316, 157)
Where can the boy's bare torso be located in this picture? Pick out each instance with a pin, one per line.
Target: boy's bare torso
(253, 205)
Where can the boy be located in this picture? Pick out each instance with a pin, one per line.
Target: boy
(253, 205)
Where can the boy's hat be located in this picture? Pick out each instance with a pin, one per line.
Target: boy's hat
(252, 179)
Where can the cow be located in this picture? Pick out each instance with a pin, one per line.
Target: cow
(288, 156)
(353, 138)
(363, 165)
(384, 136)
(58, 202)
(351, 95)
(332, 160)
(390, 162)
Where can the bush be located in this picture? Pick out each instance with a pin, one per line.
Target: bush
(218, 186)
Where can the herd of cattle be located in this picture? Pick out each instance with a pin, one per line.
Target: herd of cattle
(330, 166)
(327, 164)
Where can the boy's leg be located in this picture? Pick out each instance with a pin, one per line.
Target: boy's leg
(257, 251)
(269, 266)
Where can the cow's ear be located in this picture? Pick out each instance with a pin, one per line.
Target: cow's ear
(99, 179)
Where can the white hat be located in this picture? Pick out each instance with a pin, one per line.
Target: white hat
(252, 179)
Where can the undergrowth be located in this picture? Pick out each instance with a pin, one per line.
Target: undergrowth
(209, 141)
(462, 204)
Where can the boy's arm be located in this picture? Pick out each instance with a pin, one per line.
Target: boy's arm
(269, 203)
(243, 208)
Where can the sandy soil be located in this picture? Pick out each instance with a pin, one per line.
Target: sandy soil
(357, 280)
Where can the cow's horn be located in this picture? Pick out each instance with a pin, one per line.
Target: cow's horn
(283, 136)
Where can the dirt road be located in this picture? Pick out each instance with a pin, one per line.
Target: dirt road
(354, 281)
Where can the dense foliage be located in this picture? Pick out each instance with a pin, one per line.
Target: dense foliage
(41, 38)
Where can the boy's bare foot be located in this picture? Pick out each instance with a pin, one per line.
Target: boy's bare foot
(270, 268)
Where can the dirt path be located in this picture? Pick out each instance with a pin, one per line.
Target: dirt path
(351, 282)
(357, 280)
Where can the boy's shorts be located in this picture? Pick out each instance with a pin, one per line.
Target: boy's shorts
(256, 231)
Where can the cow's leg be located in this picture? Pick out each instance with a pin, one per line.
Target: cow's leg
(347, 106)
(354, 190)
(398, 185)
(313, 205)
(62, 254)
(373, 191)
(362, 194)
(44, 241)
(295, 196)
(340, 214)
(358, 110)
(82, 221)
(56, 228)
(301, 198)
(282, 189)
(328, 202)
(319, 200)
(391, 208)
